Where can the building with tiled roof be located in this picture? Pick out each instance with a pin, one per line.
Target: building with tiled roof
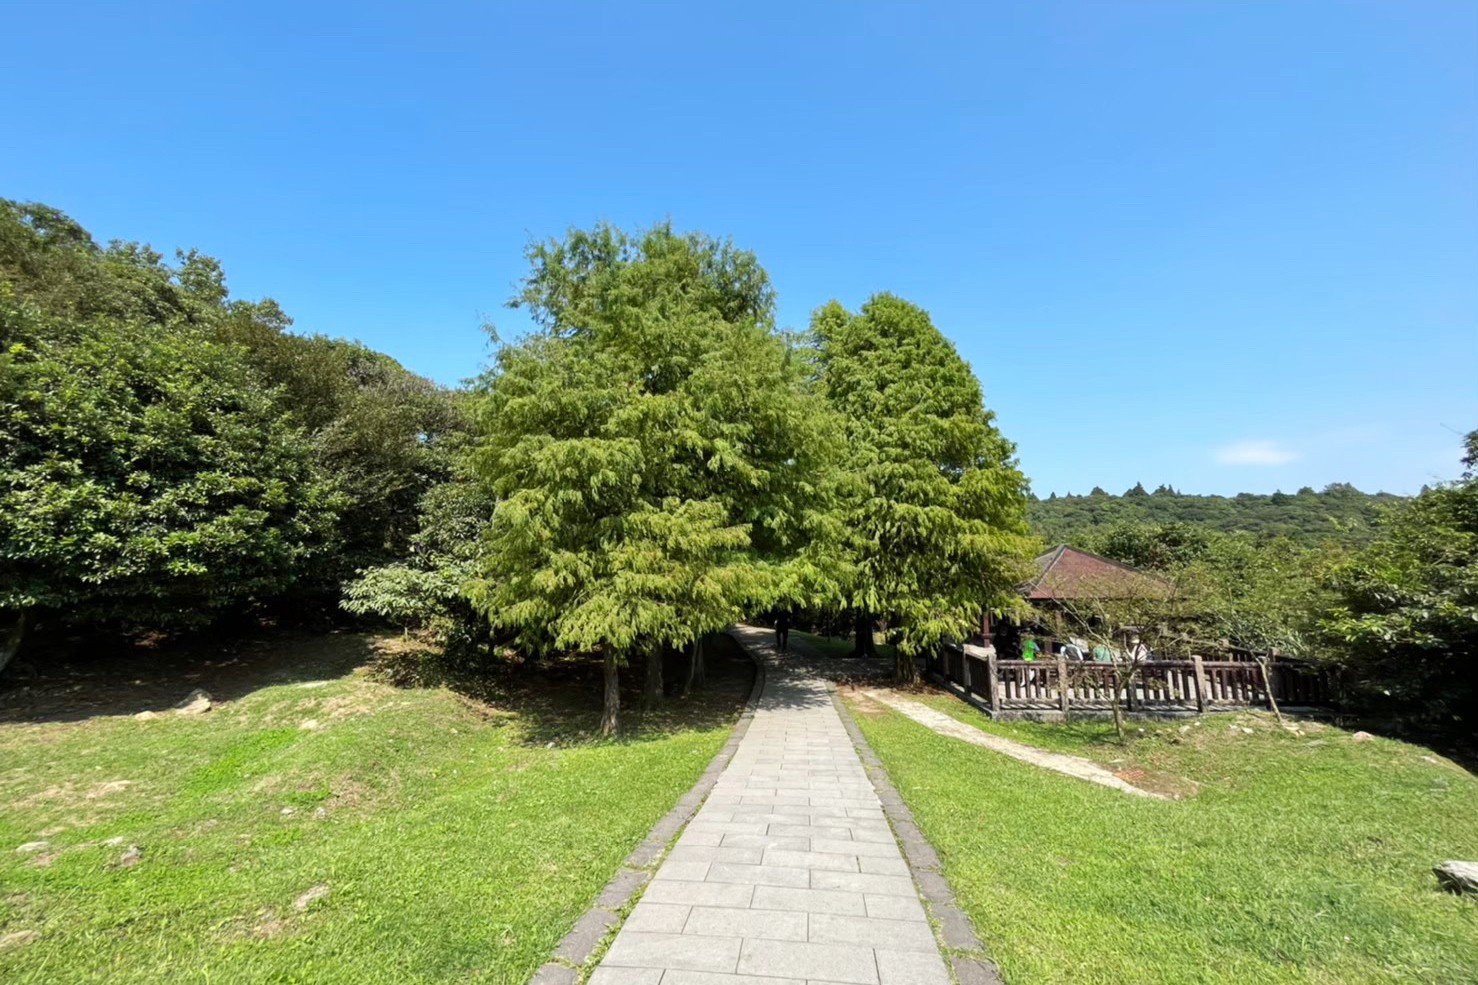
(1066, 573)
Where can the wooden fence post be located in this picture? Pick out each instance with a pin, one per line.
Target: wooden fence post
(965, 669)
(995, 681)
(1062, 683)
(1200, 684)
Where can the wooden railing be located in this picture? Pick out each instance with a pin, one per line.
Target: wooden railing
(1056, 684)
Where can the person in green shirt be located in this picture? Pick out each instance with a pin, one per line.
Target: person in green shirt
(1029, 649)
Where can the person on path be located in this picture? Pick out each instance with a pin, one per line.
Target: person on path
(782, 631)
(1029, 650)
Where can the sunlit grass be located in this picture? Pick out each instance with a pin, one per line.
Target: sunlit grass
(450, 840)
(1301, 858)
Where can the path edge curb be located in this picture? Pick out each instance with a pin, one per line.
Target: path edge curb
(952, 926)
(604, 917)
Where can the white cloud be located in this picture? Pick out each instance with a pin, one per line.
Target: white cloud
(1254, 453)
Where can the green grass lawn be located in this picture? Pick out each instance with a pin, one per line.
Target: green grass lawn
(1300, 857)
(447, 838)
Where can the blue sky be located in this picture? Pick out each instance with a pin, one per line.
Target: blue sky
(1228, 246)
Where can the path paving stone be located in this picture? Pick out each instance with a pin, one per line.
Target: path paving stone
(788, 874)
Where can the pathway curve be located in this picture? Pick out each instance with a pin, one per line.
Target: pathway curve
(1074, 766)
(788, 875)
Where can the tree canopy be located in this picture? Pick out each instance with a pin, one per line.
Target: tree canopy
(1405, 621)
(145, 479)
(931, 500)
(168, 452)
(652, 447)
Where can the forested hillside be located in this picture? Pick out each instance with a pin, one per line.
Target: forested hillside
(1340, 511)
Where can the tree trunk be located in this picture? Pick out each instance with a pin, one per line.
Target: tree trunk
(905, 671)
(1267, 682)
(700, 674)
(13, 641)
(651, 696)
(1123, 682)
(692, 669)
(865, 647)
(610, 712)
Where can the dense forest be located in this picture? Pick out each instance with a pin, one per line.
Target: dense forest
(172, 457)
(653, 462)
(1339, 511)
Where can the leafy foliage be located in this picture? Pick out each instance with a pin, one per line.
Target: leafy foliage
(167, 452)
(145, 479)
(1256, 594)
(651, 447)
(931, 500)
(1405, 624)
(425, 589)
(384, 435)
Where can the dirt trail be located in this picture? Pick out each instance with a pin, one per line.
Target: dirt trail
(1073, 766)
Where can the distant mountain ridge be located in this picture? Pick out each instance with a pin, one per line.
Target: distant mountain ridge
(1339, 511)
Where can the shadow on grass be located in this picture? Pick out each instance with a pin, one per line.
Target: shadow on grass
(553, 702)
(559, 701)
(117, 678)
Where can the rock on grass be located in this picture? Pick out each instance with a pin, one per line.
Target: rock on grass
(1458, 877)
(197, 702)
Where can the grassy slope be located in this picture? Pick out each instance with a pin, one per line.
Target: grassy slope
(1302, 859)
(455, 844)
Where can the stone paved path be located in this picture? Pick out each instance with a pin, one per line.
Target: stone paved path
(1074, 766)
(789, 875)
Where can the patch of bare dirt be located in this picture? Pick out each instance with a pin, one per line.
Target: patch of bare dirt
(66, 791)
(264, 925)
(19, 938)
(309, 897)
(108, 787)
(356, 702)
(347, 792)
(1160, 782)
(861, 706)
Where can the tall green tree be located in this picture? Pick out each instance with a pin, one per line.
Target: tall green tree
(652, 448)
(931, 498)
